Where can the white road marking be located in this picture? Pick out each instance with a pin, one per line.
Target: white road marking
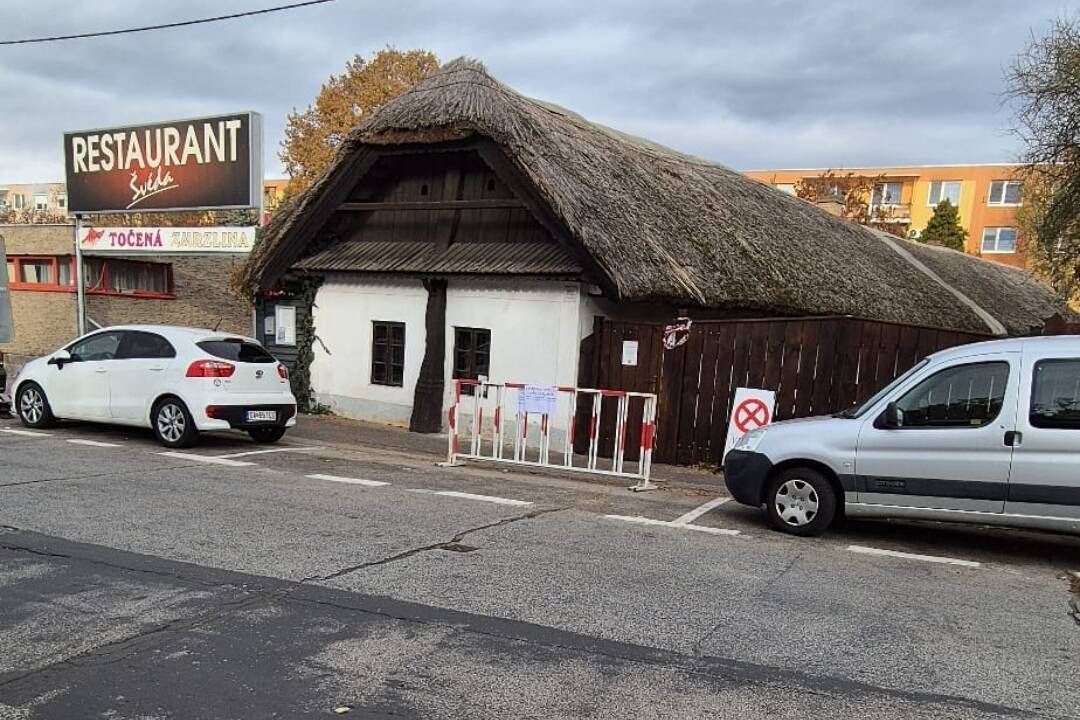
(699, 511)
(93, 443)
(268, 450)
(27, 433)
(482, 498)
(677, 525)
(351, 481)
(206, 459)
(912, 556)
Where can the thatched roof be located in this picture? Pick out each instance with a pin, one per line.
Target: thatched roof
(666, 227)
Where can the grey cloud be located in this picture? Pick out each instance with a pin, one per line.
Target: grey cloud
(749, 83)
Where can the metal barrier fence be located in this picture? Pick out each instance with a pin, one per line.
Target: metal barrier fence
(493, 435)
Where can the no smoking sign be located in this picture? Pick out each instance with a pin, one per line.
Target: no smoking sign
(751, 410)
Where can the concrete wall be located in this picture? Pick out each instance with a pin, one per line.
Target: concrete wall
(536, 328)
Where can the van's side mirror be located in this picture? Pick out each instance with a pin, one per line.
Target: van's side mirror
(893, 417)
(59, 358)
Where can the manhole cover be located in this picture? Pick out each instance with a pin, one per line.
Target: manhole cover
(458, 547)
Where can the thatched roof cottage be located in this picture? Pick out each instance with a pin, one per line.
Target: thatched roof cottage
(466, 229)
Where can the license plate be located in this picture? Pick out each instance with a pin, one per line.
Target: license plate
(261, 415)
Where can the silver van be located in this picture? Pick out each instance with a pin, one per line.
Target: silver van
(984, 433)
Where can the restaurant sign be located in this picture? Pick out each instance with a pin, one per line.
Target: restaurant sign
(166, 240)
(205, 163)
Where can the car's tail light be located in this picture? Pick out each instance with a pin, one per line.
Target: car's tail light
(215, 411)
(283, 372)
(210, 368)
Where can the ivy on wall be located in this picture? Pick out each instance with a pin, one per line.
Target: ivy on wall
(303, 293)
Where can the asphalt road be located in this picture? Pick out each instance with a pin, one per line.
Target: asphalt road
(140, 585)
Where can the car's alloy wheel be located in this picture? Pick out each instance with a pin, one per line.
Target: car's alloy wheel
(32, 405)
(796, 502)
(171, 422)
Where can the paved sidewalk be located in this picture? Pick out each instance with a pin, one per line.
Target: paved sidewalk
(343, 432)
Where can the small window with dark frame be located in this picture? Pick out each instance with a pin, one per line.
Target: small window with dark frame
(472, 354)
(387, 353)
(1055, 395)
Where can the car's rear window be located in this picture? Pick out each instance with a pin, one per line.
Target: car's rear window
(237, 350)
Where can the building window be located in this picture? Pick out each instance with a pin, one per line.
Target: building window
(61, 201)
(17, 201)
(1005, 192)
(39, 273)
(387, 353)
(41, 201)
(128, 277)
(999, 240)
(472, 353)
(887, 193)
(944, 190)
(102, 277)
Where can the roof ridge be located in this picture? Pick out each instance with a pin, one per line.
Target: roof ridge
(991, 322)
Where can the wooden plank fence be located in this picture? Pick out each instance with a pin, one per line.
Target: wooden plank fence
(815, 365)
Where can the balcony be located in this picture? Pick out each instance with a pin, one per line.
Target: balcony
(899, 213)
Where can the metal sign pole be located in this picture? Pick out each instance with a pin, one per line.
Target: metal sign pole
(80, 284)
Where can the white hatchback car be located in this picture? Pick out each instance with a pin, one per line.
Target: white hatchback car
(178, 381)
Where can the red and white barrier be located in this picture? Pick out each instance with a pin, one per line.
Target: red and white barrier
(491, 427)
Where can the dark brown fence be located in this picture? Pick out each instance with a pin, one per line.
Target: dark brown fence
(815, 365)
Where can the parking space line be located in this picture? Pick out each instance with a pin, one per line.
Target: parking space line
(677, 525)
(93, 443)
(482, 498)
(206, 459)
(862, 550)
(351, 481)
(27, 433)
(699, 511)
(268, 450)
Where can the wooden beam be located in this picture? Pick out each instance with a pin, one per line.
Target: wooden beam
(498, 204)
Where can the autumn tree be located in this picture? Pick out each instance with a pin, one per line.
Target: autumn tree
(944, 228)
(312, 136)
(1044, 85)
(853, 194)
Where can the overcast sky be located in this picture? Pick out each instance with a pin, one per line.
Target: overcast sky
(748, 83)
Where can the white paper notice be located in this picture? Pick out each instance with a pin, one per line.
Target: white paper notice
(285, 320)
(537, 400)
(629, 352)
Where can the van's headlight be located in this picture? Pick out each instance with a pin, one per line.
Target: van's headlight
(750, 440)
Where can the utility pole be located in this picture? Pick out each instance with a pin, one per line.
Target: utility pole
(80, 283)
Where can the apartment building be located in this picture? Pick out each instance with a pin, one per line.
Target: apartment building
(20, 197)
(987, 197)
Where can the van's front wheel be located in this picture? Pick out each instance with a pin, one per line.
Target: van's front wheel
(800, 501)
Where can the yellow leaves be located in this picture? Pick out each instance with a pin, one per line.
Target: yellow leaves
(313, 135)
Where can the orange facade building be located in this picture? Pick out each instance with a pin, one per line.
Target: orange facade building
(987, 197)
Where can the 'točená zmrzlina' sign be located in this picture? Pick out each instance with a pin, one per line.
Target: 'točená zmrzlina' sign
(212, 162)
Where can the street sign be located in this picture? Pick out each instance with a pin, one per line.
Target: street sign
(204, 163)
(7, 326)
(752, 409)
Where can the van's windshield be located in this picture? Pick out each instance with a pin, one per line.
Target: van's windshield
(858, 410)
